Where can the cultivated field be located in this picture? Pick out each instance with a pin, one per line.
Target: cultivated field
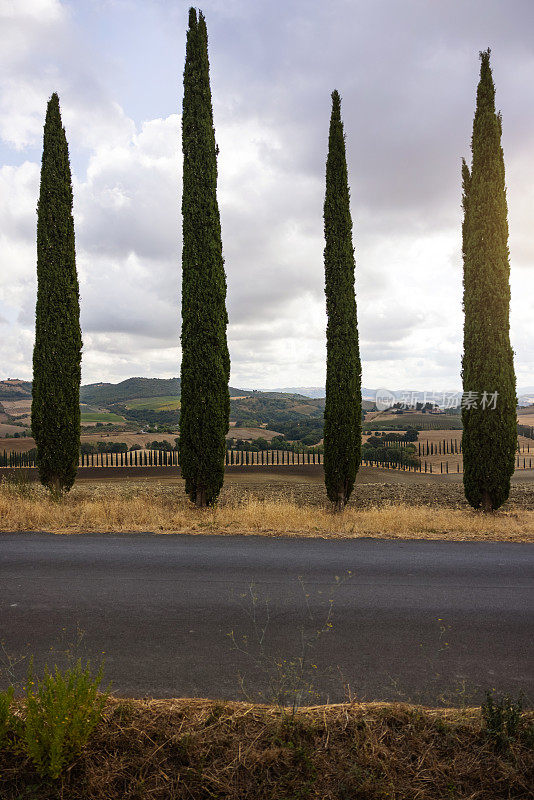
(17, 407)
(426, 421)
(167, 403)
(6, 428)
(251, 433)
(92, 417)
(130, 438)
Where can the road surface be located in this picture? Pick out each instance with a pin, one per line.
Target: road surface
(421, 621)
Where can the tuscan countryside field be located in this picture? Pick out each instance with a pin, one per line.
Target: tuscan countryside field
(266, 401)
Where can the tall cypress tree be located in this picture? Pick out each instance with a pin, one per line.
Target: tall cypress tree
(205, 371)
(58, 339)
(489, 408)
(342, 415)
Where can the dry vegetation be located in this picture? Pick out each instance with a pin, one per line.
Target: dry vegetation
(174, 749)
(274, 510)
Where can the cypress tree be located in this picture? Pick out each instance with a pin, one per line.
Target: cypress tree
(205, 371)
(58, 340)
(342, 415)
(490, 433)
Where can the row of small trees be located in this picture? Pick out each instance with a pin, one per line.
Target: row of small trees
(489, 435)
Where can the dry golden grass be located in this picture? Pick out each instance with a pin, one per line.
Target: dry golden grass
(112, 508)
(199, 749)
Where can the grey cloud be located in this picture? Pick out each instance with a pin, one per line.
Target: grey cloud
(407, 72)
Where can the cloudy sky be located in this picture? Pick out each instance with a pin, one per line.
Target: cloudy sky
(407, 71)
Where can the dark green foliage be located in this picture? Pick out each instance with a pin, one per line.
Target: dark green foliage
(489, 438)
(62, 710)
(6, 716)
(146, 416)
(342, 416)
(58, 339)
(503, 719)
(376, 449)
(205, 401)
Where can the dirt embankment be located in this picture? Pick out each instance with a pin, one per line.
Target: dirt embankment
(187, 749)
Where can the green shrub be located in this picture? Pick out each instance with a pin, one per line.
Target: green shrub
(6, 717)
(62, 710)
(502, 717)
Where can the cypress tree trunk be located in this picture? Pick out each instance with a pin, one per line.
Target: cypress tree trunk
(489, 419)
(205, 372)
(58, 339)
(342, 415)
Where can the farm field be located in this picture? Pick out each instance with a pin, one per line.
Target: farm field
(129, 437)
(6, 427)
(250, 433)
(168, 403)
(17, 407)
(425, 421)
(92, 417)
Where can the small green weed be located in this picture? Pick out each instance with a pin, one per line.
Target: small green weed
(62, 710)
(502, 716)
(6, 717)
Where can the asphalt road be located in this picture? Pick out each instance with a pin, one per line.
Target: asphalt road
(421, 621)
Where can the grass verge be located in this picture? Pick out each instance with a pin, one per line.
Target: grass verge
(174, 749)
(118, 509)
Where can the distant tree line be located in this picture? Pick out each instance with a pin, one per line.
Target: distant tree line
(148, 416)
(375, 450)
(526, 430)
(87, 448)
(276, 443)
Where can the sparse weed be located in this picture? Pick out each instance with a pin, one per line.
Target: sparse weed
(291, 681)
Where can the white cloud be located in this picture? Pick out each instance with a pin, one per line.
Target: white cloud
(272, 75)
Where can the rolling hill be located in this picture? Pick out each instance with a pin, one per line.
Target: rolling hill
(132, 389)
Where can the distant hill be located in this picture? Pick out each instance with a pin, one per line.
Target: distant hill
(14, 389)
(272, 408)
(134, 389)
(307, 391)
(101, 394)
(316, 392)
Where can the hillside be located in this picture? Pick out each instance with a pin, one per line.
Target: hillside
(14, 389)
(156, 401)
(102, 394)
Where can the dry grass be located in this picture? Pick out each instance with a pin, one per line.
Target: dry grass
(116, 508)
(174, 749)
